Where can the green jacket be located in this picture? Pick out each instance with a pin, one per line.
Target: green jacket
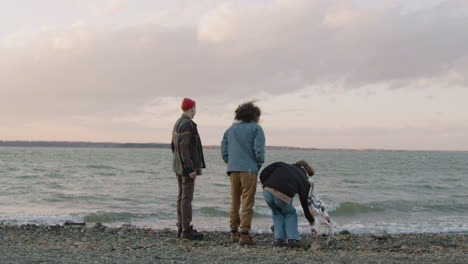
(186, 147)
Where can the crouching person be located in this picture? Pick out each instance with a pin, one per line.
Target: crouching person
(281, 181)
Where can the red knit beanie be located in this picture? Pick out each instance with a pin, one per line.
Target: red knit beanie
(187, 104)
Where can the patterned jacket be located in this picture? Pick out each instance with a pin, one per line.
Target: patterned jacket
(186, 147)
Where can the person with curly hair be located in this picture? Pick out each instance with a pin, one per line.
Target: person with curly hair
(243, 149)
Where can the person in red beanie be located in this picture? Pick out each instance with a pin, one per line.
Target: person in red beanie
(188, 162)
(188, 104)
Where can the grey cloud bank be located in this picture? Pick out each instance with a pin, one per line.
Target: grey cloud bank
(92, 81)
(276, 47)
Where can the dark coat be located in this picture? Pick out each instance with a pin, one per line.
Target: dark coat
(186, 147)
(289, 179)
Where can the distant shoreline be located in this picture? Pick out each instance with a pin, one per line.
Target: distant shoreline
(82, 144)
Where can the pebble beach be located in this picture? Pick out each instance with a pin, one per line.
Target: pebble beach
(127, 244)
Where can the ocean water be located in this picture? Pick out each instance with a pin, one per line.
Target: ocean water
(400, 192)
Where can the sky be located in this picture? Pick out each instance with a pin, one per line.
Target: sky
(389, 74)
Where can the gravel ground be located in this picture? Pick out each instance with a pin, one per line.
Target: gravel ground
(98, 244)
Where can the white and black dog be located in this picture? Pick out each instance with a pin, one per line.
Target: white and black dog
(318, 211)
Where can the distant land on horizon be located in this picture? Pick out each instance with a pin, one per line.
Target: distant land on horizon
(83, 144)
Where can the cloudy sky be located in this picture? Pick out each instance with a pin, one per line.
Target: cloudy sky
(331, 74)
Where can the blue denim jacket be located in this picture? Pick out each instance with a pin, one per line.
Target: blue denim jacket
(243, 147)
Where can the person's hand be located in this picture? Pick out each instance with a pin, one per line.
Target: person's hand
(193, 175)
(328, 219)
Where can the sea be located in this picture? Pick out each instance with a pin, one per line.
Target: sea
(400, 192)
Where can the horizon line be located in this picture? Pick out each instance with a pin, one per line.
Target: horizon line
(24, 143)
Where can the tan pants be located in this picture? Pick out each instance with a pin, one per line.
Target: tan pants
(184, 201)
(243, 188)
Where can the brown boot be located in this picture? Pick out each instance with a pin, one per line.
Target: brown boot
(234, 236)
(191, 234)
(246, 239)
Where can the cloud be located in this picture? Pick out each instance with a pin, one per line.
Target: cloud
(236, 50)
(103, 8)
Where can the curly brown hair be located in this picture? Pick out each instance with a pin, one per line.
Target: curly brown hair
(248, 112)
(307, 167)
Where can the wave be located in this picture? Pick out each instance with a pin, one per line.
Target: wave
(358, 225)
(140, 171)
(109, 217)
(101, 167)
(214, 211)
(431, 187)
(410, 224)
(221, 185)
(106, 174)
(460, 195)
(352, 208)
(349, 208)
(28, 177)
(453, 179)
(353, 181)
(38, 219)
(55, 176)
(62, 197)
(97, 217)
(259, 211)
(120, 217)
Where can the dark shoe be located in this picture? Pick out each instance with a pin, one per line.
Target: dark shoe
(246, 239)
(234, 236)
(191, 234)
(292, 243)
(280, 243)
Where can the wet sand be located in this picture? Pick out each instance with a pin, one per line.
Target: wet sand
(98, 244)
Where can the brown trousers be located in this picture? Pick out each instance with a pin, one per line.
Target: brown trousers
(184, 201)
(243, 188)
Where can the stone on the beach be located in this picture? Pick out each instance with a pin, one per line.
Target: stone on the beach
(344, 232)
(315, 247)
(57, 244)
(381, 234)
(99, 227)
(53, 227)
(71, 223)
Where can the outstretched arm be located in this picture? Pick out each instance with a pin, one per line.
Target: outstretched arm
(303, 197)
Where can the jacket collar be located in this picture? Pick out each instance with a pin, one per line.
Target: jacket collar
(186, 116)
